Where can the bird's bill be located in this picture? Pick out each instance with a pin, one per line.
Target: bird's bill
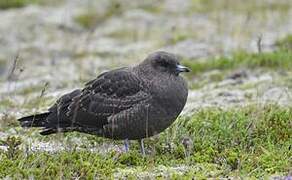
(181, 68)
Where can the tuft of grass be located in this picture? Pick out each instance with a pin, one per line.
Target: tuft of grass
(12, 143)
(285, 43)
(273, 60)
(7, 121)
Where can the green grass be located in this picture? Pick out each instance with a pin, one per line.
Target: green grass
(243, 140)
(253, 141)
(7, 121)
(251, 6)
(91, 18)
(285, 43)
(7, 4)
(3, 66)
(30, 103)
(280, 60)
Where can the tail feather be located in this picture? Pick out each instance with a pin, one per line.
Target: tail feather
(49, 125)
(48, 131)
(37, 120)
(52, 130)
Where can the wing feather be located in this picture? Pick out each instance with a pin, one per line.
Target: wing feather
(109, 94)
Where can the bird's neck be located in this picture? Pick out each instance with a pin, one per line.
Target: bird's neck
(145, 72)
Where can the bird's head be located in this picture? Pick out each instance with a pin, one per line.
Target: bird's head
(165, 62)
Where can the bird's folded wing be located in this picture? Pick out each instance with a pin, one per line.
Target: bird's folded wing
(109, 94)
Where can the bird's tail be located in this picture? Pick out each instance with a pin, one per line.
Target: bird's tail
(48, 124)
(37, 120)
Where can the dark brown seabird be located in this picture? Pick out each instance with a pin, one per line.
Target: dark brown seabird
(129, 103)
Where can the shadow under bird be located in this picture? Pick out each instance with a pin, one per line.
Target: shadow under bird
(129, 103)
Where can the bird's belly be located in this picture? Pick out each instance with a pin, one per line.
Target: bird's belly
(159, 117)
(152, 120)
(169, 107)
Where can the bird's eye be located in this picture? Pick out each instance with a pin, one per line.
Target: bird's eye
(163, 63)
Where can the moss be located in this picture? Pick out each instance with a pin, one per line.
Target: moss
(64, 164)
(229, 137)
(132, 158)
(240, 140)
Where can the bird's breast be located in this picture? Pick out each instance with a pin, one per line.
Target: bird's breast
(170, 95)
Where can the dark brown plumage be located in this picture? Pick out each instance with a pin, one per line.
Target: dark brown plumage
(127, 103)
